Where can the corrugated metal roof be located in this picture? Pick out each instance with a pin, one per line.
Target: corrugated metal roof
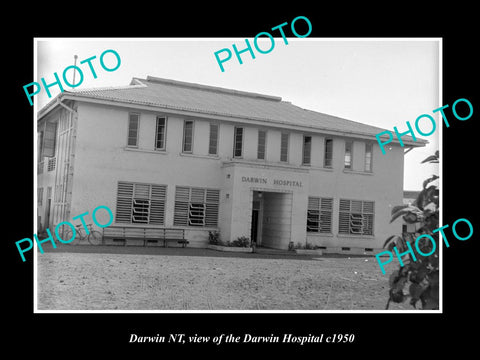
(196, 98)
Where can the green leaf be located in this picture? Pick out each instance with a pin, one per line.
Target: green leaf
(416, 290)
(399, 213)
(410, 218)
(429, 180)
(397, 208)
(396, 290)
(429, 300)
(399, 281)
(426, 196)
(397, 296)
(393, 277)
(431, 159)
(419, 274)
(406, 210)
(392, 241)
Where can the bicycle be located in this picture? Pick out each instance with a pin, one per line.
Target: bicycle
(94, 237)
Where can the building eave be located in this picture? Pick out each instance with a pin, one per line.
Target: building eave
(194, 113)
(50, 106)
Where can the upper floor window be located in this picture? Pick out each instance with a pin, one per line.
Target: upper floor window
(39, 146)
(213, 142)
(328, 154)
(284, 147)
(47, 138)
(262, 136)
(133, 123)
(348, 154)
(238, 142)
(188, 136)
(307, 150)
(160, 133)
(52, 162)
(368, 157)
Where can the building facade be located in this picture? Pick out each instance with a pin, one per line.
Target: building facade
(170, 154)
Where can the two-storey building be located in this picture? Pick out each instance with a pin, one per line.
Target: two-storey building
(164, 153)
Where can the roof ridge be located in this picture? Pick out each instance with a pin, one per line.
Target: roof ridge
(138, 84)
(158, 80)
(224, 103)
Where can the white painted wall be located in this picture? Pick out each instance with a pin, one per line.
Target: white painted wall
(277, 219)
(102, 159)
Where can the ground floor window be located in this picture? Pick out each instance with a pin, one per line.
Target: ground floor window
(196, 206)
(140, 203)
(319, 215)
(356, 217)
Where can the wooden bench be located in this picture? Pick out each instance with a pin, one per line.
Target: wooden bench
(148, 235)
(177, 235)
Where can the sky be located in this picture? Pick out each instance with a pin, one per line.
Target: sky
(382, 82)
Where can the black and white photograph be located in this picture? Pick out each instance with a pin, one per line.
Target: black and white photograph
(247, 189)
(294, 181)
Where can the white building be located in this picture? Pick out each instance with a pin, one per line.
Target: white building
(169, 154)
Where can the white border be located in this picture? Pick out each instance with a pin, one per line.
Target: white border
(35, 274)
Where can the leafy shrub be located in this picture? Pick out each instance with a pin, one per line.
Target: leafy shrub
(241, 241)
(299, 245)
(214, 238)
(420, 276)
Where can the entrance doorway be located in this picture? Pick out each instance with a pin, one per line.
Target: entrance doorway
(255, 216)
(271, 219)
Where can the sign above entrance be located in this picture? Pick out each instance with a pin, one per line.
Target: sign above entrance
(256, 180)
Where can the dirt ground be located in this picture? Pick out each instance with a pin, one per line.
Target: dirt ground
(119, 281)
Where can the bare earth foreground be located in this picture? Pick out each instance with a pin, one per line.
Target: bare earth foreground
(119, 281)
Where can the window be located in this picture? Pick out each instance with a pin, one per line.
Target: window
(238, 142)
(48, 145)
(39, 196)
(160, 133)
(196, 214)
(41, 167)
(262, 137)
(327, 160)
(141, 211)
(133, 123)
(51, 163)
(356, 217)
(213, 143)
(307, 150)
(140, 203)
(319, 215)
(40, 146)
(284, 147)
(368, 157)
(196, 206)
(188, 136)
(348, 154)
